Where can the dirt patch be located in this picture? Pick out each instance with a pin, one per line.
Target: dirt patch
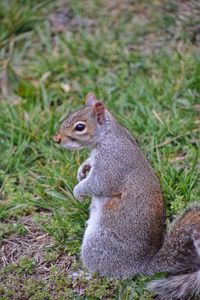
(34, 268)
(35, 245)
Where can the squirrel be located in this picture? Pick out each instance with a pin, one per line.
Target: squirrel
(125, 233)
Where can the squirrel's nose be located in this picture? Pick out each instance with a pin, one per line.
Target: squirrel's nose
(57, 138)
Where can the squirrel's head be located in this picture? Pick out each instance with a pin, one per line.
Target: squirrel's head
(80, 128)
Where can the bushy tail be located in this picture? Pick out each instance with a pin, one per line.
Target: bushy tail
(180, 255)
(183, 287)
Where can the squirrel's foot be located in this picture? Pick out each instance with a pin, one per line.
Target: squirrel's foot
(83, 171)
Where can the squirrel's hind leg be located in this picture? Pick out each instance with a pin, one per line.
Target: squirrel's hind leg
(101, 255)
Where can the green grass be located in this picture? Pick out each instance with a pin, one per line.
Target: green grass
(139, 58)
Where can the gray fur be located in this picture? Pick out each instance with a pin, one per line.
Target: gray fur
(118, 247)
(125, 232)
(183, 287)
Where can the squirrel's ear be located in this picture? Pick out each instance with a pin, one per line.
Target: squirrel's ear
(99, 110)
(90, 99)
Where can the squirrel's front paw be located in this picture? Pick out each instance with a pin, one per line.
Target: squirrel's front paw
(83, 171)
(77, 193)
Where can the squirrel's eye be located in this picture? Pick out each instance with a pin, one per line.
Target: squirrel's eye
(80, 127)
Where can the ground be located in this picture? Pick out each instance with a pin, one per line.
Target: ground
(142, 58)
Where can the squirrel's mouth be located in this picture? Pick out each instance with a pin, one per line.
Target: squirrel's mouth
(58, 138)
(67, 142)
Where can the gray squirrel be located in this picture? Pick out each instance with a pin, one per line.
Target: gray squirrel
(125, 233)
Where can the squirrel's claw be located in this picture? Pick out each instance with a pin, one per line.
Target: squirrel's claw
(83, 172)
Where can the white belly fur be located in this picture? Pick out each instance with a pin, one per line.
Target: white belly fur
(95, 215)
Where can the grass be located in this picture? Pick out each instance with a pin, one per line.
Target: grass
(143, 60)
